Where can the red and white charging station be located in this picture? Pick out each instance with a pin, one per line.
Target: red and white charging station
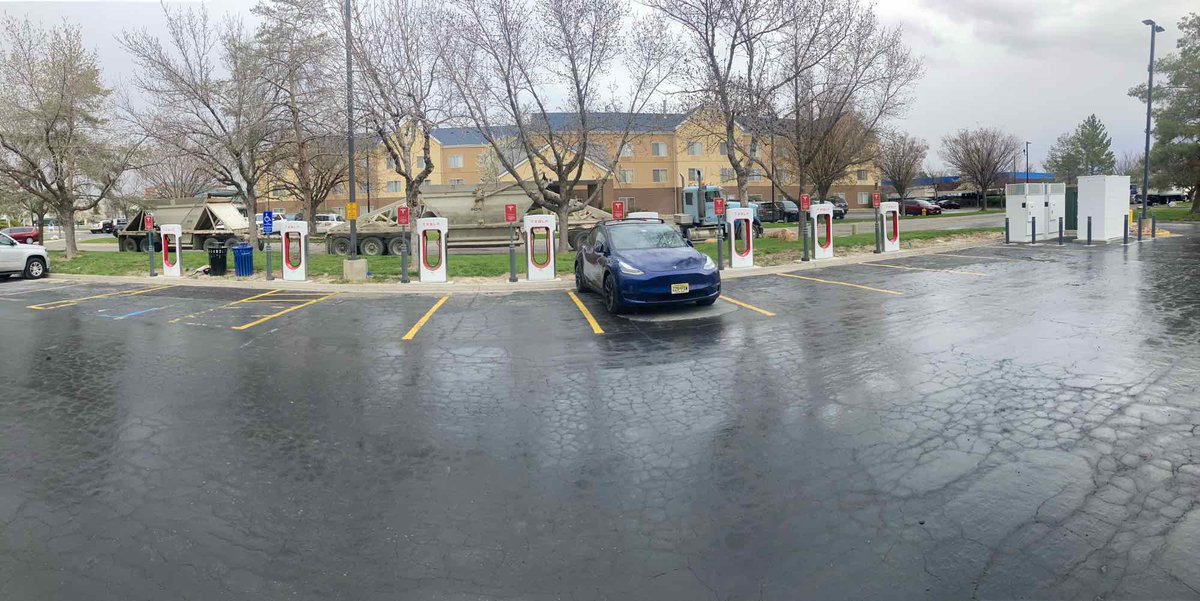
(890, 211)
(741, 230)
(539, 247)
(171, 233)
(431, 248)
(822, 246)
(294, 236)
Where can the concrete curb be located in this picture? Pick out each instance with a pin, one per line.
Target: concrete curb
(501, 287)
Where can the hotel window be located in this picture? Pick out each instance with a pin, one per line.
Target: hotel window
(724, 148)
(695, 149)
(626, 176)
(864, 199)
(626, 150)
(658, 149)
(277, 192)
(754, 150)
(694, 175)
(628, 200)
(755, 176)
(659, 176)
(455, 181)
(391, 163)
(861, 174)
(455, 161)
(393, 187)
(726, 174)
(419, 163)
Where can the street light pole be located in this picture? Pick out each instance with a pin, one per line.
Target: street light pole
(350, 134)
(1154, 29)
(1027, 165)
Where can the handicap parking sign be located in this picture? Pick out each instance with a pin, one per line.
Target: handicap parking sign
(268, 222)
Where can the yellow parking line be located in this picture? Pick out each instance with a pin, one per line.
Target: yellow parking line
(982, 275)
(747, 306)
(40, 290)
(859, 286)
(586, 314)
(247, 299)
(412, 332)
(74, 301)
(284, 312)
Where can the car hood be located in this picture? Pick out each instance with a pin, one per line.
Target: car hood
(34, 246)
(663, 259)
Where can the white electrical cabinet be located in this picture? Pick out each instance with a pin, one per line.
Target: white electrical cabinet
(1056, 207)
(1020, 208)
(1104, 198)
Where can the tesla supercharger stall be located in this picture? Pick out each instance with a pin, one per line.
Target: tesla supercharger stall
(539, 247)
(740, 222)
(294, 239)
(1020, 208)
(171, 233)
(890, 212)
(431, 248)
(822, 248)
(1056, 207)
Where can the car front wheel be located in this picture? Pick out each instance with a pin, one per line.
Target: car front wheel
(612, 296)
(29, 241)
(580, 285)
(35, 268)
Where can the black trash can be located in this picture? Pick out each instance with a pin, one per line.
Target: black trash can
(218, 260)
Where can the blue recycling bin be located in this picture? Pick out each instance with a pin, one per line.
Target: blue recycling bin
(243, 260)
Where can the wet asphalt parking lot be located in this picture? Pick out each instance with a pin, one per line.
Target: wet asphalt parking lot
(991, 423)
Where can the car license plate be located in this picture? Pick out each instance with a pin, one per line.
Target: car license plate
(679, 288)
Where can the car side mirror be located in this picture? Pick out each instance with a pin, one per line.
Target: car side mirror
(600, 250)
(689, 243)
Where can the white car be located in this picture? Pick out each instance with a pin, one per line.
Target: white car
(29, 260)
(327, 221)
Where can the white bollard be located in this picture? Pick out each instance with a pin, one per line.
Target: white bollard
(539, 235)
(295, 260)
(431, 248)
(891, 225)
(822, 249)
(740, 222)
(167, 232)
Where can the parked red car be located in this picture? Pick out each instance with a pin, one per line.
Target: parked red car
(27, 235)
(920, 206)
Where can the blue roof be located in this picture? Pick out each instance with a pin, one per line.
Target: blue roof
(1008, 176)
(603, 122)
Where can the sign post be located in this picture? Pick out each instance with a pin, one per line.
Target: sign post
(510, 217)
(352, 217)
(268, 227)
(719, 211)
(804, 204)
(402, 221)
(618, 209)
(148, 224)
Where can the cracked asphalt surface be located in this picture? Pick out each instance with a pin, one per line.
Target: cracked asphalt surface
(1024, 426)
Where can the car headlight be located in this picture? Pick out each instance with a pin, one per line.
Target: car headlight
(708, 263)
(628, 269)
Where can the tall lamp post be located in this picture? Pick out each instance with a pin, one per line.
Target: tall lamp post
(350, 137)
(1026, 165)
(1154, 29)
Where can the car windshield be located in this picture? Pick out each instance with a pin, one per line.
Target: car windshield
(636, 236)
(789, 205)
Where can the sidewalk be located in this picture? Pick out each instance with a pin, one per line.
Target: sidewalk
(496, 285)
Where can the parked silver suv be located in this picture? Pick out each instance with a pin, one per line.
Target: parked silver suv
(29, 260)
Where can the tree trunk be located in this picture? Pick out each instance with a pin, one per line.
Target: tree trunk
(41, 225)
(252, 210)
(564, 236)
(1195, 198)
(310, 206)
(66, 220)
(983, 198)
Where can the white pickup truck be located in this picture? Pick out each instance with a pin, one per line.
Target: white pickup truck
(29, 260)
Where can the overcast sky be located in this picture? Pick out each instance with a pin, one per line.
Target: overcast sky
(1035, 68)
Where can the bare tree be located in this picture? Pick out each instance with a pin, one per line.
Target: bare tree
(400, 50)
(300, 66)
(1130, 164)
(209, 97)
(848, 83)
(899, 160)
(56, 140)
(513, 58)
(168, 173)
(980, 155)
(935, 175)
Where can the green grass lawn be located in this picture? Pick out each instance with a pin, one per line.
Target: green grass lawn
(112, 241)
(768, 251)
(1182, 212)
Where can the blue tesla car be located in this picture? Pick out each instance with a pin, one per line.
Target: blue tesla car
(638, 262)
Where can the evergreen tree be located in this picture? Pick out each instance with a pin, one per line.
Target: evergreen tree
(1087, 151)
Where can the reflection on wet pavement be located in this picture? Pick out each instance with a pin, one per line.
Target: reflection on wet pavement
(1029, 433)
